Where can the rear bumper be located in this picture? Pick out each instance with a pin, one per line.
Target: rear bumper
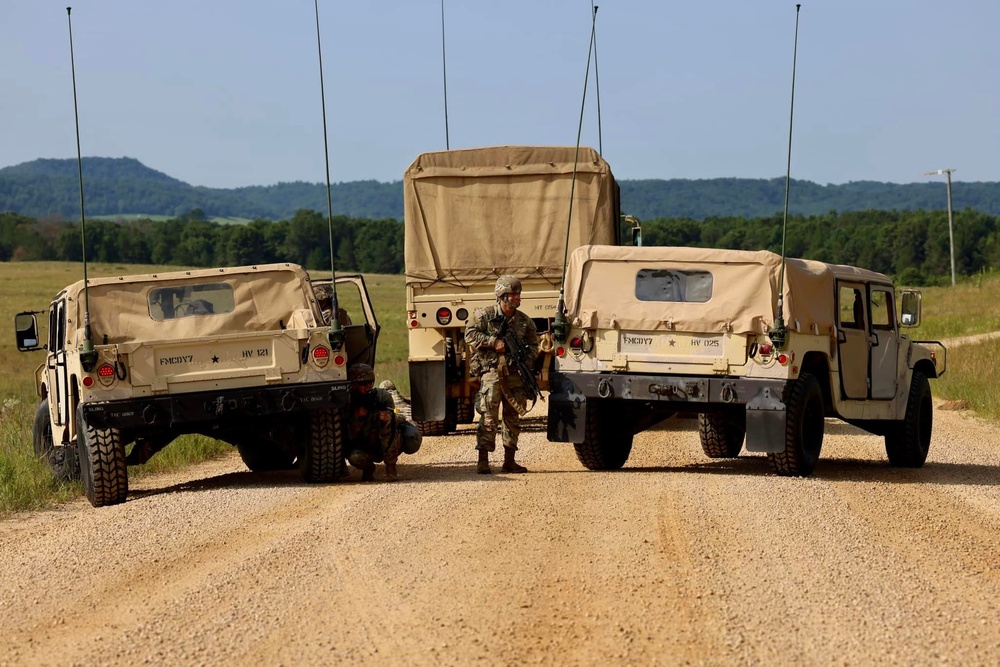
(229, 405)
(762, 400)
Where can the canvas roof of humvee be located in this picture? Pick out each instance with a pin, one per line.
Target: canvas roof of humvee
(264, 298)
(600, 290)
(503, 209)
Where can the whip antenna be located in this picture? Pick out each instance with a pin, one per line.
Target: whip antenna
(778, 333)
(597, 84)
(559, 325)
(88, 356)
(336, 331)
(444, 76)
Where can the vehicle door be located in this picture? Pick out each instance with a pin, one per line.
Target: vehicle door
(60, 403)
(357, 317)
(852, 339)
(884, 341)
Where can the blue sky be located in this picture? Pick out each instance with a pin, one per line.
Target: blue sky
(225, 94)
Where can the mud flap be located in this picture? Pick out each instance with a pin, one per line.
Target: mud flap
(427, 390)
(567, 411)
(766, 414)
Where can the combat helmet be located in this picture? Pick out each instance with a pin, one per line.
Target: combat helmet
(323, 292)
(507, 284)
(361, 374)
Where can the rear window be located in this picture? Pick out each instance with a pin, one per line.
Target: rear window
(673, 285)
(171, 303)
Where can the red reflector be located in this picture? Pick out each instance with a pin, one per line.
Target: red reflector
(339, 360)
(106, 371)
(88, 381)
(782, 358)
(560, 352)
(414, 323)
(320, 352)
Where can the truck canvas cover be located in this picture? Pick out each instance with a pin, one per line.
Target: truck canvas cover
(600, 290)
(503, 210)
(264, 298)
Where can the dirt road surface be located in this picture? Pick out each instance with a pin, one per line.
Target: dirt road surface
(676, 559)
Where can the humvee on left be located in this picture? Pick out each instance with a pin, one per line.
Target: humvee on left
(239, 354)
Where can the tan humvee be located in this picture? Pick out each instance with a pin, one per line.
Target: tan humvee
(660, 330)
(471, 216)
(239, 354)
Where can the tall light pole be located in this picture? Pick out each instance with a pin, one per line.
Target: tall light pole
(951, 227)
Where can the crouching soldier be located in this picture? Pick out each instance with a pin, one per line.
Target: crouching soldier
(375, 433)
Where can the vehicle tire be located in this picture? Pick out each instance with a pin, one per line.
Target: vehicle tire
(804, 422)
(465, 412)
(606, 446)
(102, 463)
(721, 434)
(908, 441)
(446, 425)
(322, 457)
(262, 455)
(64, 462)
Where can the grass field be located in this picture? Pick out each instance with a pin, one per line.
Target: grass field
(25, 483)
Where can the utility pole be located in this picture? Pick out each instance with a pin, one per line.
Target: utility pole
(951, 227)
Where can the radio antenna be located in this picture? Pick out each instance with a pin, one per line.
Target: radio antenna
(779, 333)
(336, 330)
(559, 324)
(597, 83)
(88, 355)
(444, 75)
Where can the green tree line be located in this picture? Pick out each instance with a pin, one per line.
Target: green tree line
(913, 246)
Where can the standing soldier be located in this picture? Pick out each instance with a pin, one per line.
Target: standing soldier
(374, 432)
(500, 383)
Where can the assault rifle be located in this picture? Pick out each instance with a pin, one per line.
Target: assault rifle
(517, 360)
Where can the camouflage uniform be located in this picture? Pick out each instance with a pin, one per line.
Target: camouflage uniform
(500, 385)
(375, 434)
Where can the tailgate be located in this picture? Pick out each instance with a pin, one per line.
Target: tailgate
(708, 350)
(265, 355)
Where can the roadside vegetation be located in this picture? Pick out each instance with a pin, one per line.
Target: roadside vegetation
(25, 483)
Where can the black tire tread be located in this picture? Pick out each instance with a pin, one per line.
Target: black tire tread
(720, 437)
(102, 464)
(602, 448)
(323, 453)
(905, 444)
(793, 462)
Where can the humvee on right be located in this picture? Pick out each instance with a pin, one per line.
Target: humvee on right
(664, 330)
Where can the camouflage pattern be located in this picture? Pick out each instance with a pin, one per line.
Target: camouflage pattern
(367, 433)
(507, 284)
(324, 297)
(499, 385)
(361, 373)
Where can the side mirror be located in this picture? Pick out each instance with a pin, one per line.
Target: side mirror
(909, 308)
(26, 329)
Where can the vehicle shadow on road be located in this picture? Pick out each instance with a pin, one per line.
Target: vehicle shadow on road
(229, 480)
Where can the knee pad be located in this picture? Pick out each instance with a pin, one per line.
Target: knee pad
(360, 459)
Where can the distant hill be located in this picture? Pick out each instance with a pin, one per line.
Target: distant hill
(47, 187)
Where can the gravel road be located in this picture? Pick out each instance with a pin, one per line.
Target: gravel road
(676, 559)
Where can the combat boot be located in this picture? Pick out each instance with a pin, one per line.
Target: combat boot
(390, 472)
(509, 464)
(483, 467)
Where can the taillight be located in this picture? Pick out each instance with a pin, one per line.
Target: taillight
(462, 314)
(106, 374)
(321, 356)
(443, 316)
(576, 344)
(765, 349)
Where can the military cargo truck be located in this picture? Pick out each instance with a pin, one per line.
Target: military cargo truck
(240, 354)
(471, 216)
(661, 330)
